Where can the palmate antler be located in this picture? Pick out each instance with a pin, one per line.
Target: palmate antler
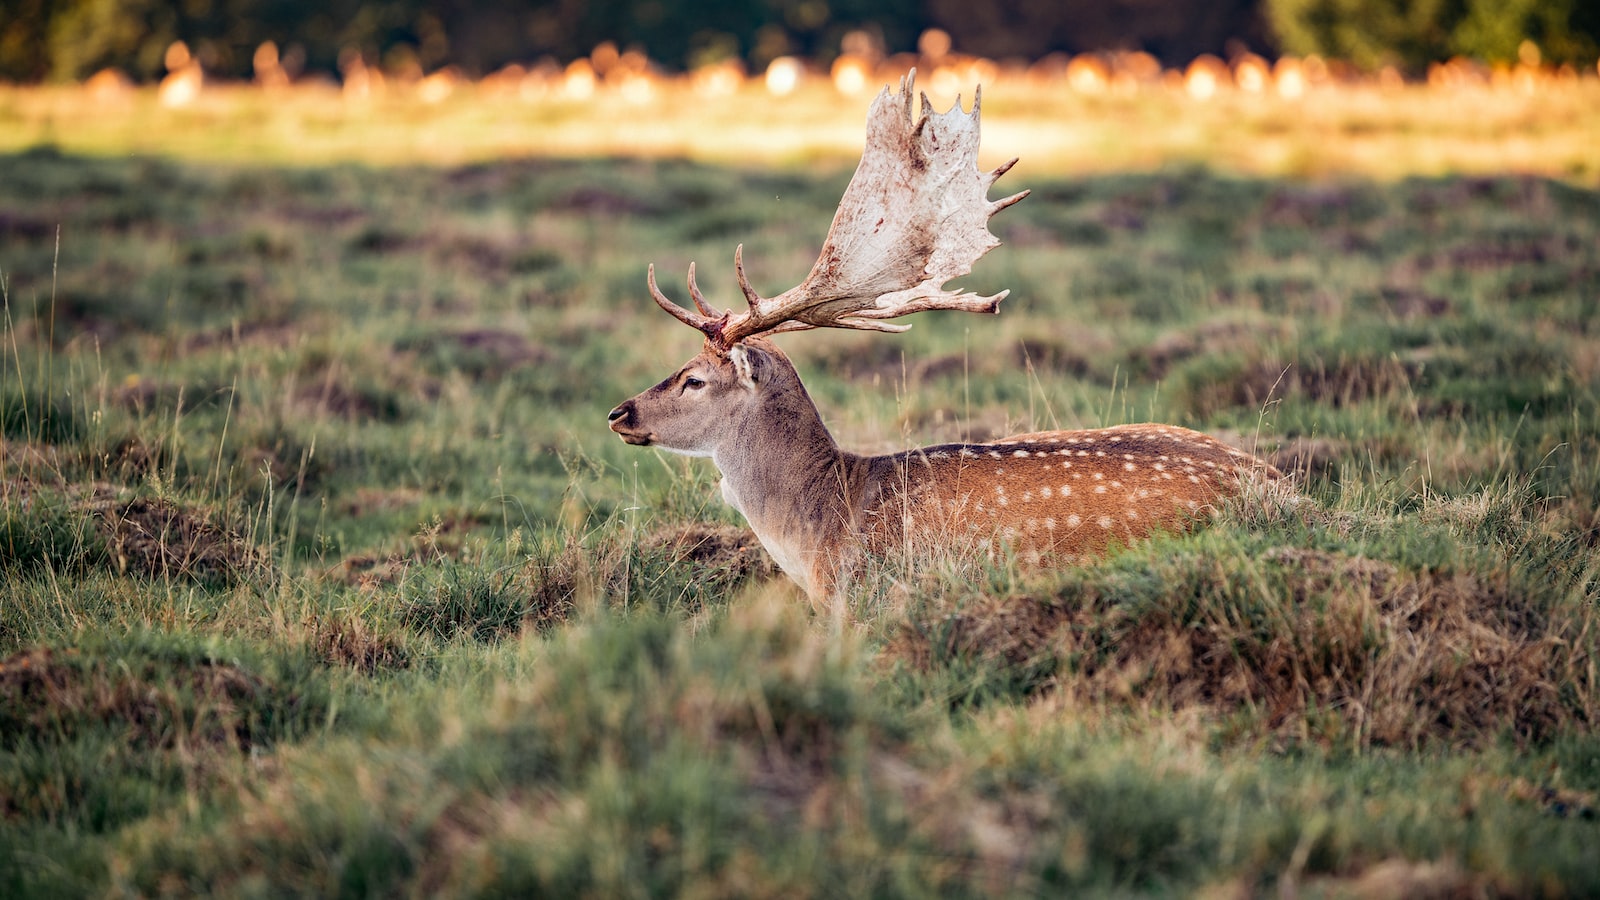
(916, 215)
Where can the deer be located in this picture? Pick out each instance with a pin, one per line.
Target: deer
(914, 216)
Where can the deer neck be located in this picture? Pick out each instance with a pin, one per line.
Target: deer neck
(784, 473)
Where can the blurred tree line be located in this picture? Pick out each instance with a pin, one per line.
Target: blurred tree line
(70, 39)
(1412, 33)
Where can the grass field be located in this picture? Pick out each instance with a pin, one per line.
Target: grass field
(322, 575)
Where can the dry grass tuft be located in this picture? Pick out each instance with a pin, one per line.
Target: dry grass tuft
(1312, 646)
(369, 572)
(885, 363)
(1338, 383)
(162, 540)
(554, 589)
(725, 550)
(201, 703)
(1309, 456)
(1226, 336)
(346, 640)
(1303, 456)
(715, 556)
(1402, 879)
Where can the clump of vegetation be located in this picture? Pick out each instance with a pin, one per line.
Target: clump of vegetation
(162, 540)
(199, 701)
(1303, 646)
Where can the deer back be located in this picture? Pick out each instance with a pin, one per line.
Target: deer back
(1058, 494)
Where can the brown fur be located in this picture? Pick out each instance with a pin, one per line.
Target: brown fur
(1047, 496)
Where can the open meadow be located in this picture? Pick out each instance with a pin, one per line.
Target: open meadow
(321, 574)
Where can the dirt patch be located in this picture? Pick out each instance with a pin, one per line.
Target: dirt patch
(729, 551)
(1317, 647)
(1410, 303)
(321, 217)
(718, 556)
(348, 641)
(1309, 456)
(941, 425)
(196, 702)
(364, 501)
(1491, 255)
(1337, 383)
(481, 354)
(144, 396)
(1398, 879)
(1054, 357)
(133, 459)
(333, 395)
(24, 227)
(21, 458)
(284, 462)
(379, 240)
(248, 334)
(95, 526)
(1309, 206)
(380, 387)
(1158, 358)
(504, 347)
(162, 540)
(369, 572)
(485, 258)
(592, 199)
(1581, 517)
(887, 363)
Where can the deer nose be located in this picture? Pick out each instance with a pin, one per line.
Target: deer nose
(622, 414)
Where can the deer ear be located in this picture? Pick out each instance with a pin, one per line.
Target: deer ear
(751, 365)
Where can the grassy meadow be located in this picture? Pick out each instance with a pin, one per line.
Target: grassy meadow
(320, 573)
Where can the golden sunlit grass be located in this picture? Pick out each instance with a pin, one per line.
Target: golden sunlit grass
(1083, 121)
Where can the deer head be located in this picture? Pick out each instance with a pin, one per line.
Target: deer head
(716, 400)
(914, 216)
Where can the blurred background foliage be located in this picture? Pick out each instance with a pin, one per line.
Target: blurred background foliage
(1413, 33)
(64, 40)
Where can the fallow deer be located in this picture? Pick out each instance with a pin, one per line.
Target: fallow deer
(914, 216)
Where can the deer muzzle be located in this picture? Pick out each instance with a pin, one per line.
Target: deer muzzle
(625, 422)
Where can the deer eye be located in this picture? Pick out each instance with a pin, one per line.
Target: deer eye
(693, 383)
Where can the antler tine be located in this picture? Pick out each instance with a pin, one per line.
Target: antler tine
(1000, 170)
(704, 323)
(699, 299)
(1007, 201)
(750, 295)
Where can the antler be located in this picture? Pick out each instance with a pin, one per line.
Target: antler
(916, 215)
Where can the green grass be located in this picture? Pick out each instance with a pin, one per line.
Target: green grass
(321, 574)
